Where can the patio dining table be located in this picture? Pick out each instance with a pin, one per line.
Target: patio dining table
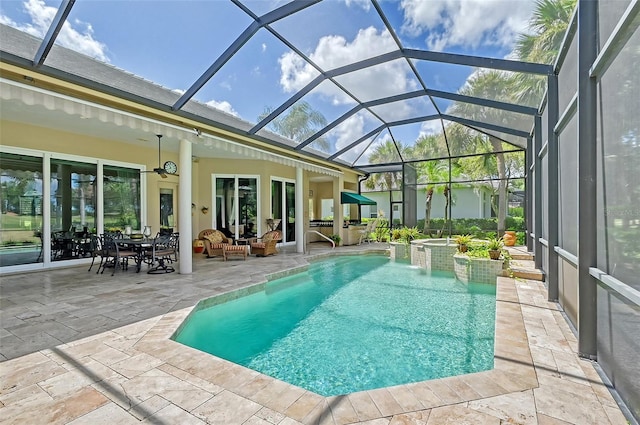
(139, 246)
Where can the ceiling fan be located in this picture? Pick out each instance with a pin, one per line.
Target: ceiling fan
(169, 167)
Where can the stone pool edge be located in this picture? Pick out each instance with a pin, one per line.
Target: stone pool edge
(513, 369)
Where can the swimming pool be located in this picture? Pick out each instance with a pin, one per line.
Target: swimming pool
(353, 323)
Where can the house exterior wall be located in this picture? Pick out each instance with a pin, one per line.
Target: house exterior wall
(467, 203)
(27, 136)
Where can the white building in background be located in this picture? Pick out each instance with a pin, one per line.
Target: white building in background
(468, 202)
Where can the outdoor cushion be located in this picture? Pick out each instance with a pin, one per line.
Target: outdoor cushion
(214, 237)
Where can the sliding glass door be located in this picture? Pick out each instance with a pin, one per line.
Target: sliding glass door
(236, 205)
(283, 207)
(38, 230)
(20, 209)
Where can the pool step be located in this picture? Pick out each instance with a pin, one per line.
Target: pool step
(525, 269)
(519, 253)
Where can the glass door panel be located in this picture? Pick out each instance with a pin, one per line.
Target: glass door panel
(225, 205)
(20, 209)
(122, 202)
(276, 202)
(237, 206)
(283, 208)
(248, 202)
(290, 208)
(73, 201)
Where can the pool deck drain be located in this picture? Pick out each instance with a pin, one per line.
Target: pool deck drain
(136, 374)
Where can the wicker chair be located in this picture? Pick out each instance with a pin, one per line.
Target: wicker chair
(213, 242)
(266, 245)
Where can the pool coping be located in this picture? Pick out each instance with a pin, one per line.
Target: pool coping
(513, 369)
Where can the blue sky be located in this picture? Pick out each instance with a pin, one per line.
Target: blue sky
(173, 42)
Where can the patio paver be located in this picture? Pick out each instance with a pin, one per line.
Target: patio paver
(120, 371)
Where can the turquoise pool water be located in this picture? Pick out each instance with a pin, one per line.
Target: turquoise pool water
(353, 323)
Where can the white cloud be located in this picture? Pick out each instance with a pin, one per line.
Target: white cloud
(223, 106)
(429, 128)
(466, 23)
(349, 131)
(386, 79)
(364, 4)
(334, 51)
(77, 36)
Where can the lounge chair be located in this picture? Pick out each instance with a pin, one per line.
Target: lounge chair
(213, 242)
(266, 245)
(365, 234)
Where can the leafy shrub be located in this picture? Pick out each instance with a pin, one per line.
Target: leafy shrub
(405, 234)
(463, 239)
(495, 244)
(516, 212)
(465, 225)
(477, 232)
(515, 223)
(381, 234)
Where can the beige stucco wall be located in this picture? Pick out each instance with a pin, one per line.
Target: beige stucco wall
(207, 167)
(56, 141)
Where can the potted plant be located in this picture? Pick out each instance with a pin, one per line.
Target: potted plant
(495, 248)
(336, 239)
(463, 242)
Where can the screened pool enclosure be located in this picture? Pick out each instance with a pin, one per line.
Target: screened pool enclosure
(355, 102)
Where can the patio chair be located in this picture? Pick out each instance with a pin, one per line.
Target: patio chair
(115, 256)
(266, 245)
(162, 254)
(365, 234)
(97, 250)
(213, 242)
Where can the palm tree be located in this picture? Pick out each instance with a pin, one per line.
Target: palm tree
(386, 152)
(433, 172)
(548, 24)
(300, 123)
(488, 85)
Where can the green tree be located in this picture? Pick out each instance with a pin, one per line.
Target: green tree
(488, 85)
(299, 123)
(384, 153)
(548, 26)
(433, 174)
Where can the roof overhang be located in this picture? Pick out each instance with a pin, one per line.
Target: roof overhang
(25, 103)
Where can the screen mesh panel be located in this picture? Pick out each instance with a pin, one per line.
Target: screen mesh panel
(620, 132)
(567, 80)
(568, 187)
(609, 12)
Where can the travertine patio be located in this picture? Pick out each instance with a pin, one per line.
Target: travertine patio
(87, 349)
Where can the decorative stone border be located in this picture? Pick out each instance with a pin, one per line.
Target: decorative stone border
(438, 254)
(399, 251)
(479, 270)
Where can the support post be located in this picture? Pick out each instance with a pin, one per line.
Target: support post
(587, 174)
(184, 208)
(299, 214)
(338, 216)
(528, 191)
(537, 214)
(552, 186)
